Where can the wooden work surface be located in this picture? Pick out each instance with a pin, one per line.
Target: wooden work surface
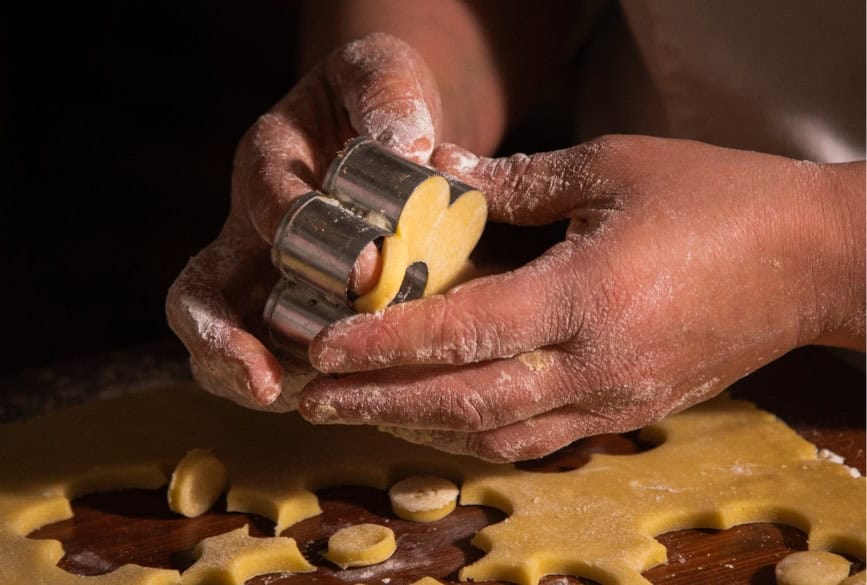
(813, 391)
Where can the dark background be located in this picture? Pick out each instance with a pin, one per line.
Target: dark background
(117, 132)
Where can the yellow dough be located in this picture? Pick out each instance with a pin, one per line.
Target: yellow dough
(423, 498)
(394, 253)
(856, 579)
(431, 231)
(361, 545)
(716, 465)
(234, 557)
(812, 567)
(426, 581)
(197, 483)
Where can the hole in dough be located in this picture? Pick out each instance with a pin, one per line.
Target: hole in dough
(579, 453)
(138, 515)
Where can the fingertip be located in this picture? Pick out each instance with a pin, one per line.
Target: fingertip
(454, 160)
(411, 135)
(330, 352)
(328, 360)
(261, 375)
(315, 406)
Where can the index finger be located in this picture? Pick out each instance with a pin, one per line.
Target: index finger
(492, 317)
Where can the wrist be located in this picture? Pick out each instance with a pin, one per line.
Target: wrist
(836, 238)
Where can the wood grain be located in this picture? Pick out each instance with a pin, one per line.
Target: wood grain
(816, 394)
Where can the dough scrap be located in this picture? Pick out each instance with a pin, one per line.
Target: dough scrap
(361, 545)
(721, 463)
(812, 567)
(423, 498)
(197, 483)
(426, 581)
(233, 557)
(856, 579)
(433, 231)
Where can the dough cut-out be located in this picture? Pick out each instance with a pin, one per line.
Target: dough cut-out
(426, 581)
(856, 579)
(361, 545)
(234, 557)
(432, 231)
(716, 465)
(197, 483)
(812, 567)
(423, 498)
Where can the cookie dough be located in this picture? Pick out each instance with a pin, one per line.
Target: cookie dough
(856, 579)
(423, 498)
(234, 557)
(718, 464)
(433, 231)
(197, 483)
(812, 567)
(361, 545)
(427, 581)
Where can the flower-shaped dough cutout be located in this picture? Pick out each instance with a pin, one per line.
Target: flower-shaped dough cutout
(434, 230)
(716, 465)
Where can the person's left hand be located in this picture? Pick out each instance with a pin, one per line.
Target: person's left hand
(685, 267)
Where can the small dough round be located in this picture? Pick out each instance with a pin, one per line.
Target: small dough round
(197, 482)
(812, 567)
(856, 579)
(423, 498)
(361, 545)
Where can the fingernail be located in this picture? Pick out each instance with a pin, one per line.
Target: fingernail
(320, 412)
(330, 359)
(458, 159)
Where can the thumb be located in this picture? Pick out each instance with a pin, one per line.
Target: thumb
(389, 93)
(530, 189)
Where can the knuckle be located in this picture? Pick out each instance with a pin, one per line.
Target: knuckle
(384, 345)
(492, 446)
(587, 162)
(468, 412)
(509, 176)
(461, 337)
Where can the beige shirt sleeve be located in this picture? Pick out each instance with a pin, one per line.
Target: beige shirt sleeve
(779, 76)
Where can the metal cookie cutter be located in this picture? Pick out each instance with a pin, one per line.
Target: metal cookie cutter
(320, 238)
(376, 182)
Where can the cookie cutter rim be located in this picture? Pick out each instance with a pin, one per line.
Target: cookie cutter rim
(319, 241)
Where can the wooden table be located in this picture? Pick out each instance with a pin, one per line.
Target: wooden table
(812, 390)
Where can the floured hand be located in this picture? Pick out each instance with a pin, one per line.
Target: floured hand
(685, 267)
(376, 86)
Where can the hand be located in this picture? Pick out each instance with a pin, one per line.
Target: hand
(685, 267)
(376, 86)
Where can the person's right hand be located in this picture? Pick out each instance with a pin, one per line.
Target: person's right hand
(378, 86)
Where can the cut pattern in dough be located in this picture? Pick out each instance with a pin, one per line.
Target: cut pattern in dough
(234, 557)
(423, 498)
(430, 230)
(716, 465)
(197, 483)
(361, 545)
(812, 567)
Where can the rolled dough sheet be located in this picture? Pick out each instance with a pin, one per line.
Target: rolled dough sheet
(718, 464)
